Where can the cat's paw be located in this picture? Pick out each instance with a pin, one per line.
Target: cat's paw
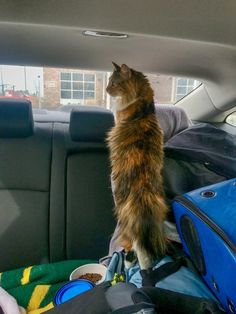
(130, 259)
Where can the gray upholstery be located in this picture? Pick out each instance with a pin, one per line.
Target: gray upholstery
(90, 123)
(25, 166)
(16, 119)
(89, 219)
(55, 196)
(58, 192)
(25, 163)
(23, 228)
(89, 202)
(81, 202)
(172, 120)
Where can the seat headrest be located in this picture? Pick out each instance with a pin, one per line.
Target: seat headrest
(90, 124)
(16, 118)
(172, 120)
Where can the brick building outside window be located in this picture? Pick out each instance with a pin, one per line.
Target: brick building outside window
(73, 87)
(52, 88)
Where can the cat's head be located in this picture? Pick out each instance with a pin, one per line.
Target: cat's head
(127, 84)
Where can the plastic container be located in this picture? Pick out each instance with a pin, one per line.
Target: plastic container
(89, 269)
(72, 289)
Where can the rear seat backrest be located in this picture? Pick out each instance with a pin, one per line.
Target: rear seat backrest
(25, 151)
(172, 120)
(89, 203)
(55, 196)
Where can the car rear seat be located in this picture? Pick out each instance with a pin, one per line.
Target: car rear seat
(89, 203)
(81, 203)
(55, 196)
(25, 163)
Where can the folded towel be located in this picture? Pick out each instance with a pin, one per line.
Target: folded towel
(34, 287)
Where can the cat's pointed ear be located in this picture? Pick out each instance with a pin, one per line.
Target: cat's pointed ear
(125, 71)
(116, 66)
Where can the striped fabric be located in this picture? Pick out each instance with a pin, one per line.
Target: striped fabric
(34, 287)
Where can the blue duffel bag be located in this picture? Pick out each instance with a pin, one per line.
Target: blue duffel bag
(206, 222)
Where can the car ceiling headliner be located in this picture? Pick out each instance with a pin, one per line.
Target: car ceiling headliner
(207, 20)
(186, 38)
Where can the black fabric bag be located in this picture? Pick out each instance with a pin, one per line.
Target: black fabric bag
(125, 298)
(204, 143)
(169, 302)
(105, 299)
(199, 156)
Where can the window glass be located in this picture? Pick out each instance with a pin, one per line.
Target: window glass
(88, 95)
(78, 95)
(66, 76)
(231, 119)
(89, 77)
(52, 88)
(89, 86)
(77, 76)
(65, 94)
(77, 85)
(65, 85)
(184, 86)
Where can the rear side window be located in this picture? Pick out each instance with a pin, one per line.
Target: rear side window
(184, 86)
(231, 119)
(59, 88)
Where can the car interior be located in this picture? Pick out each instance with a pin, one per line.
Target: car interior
(56, 199)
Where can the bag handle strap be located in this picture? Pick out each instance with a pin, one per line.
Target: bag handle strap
(151, 277)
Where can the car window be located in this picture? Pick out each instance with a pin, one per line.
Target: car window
(59, 88)
(231, 119)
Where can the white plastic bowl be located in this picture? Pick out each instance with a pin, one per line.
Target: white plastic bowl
(89, 268)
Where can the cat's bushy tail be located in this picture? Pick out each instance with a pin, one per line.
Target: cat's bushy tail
(141, 220)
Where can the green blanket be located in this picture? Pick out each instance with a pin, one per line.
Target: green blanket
(35, 287)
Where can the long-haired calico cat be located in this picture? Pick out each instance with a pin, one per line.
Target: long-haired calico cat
(136, 154)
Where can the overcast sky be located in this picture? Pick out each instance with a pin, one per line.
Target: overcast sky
(15, 75)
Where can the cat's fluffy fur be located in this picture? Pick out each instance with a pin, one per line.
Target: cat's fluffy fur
(136, 154)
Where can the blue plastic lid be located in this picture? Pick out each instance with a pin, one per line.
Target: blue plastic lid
(72, 289)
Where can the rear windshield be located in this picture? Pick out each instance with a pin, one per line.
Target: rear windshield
(58, 88)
